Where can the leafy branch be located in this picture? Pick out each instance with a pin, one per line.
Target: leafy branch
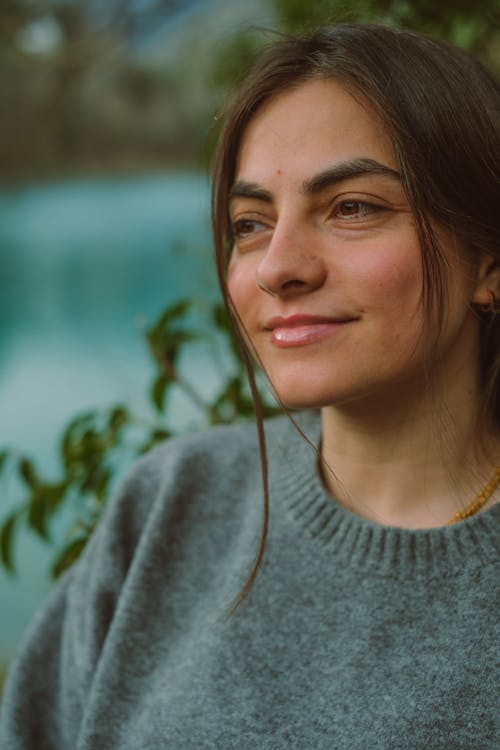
(94, 444)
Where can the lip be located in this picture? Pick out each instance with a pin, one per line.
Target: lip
(301, 330)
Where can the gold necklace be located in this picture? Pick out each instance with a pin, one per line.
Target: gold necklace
(479, 500)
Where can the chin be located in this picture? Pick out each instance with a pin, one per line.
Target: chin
(313, 391)
(299, 395)
(298, 404)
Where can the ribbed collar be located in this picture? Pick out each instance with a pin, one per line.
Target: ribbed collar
(383, 550)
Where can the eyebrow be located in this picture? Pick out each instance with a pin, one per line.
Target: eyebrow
(244, 189)
(327, 178)
(346, 170)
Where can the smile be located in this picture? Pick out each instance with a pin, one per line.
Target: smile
(301, 330)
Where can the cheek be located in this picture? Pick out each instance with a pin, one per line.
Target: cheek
(393, 282)
(242, 287)
(401, 318)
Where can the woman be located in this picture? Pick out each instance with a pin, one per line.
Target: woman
(356, 225)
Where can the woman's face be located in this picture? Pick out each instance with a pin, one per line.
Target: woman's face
(325, 272)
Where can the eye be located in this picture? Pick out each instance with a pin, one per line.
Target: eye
(243, 228)
(354, 209)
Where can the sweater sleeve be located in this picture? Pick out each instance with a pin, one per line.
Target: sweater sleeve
(50, 679)
(157, 549)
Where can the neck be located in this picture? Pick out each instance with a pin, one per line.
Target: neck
(410, 462)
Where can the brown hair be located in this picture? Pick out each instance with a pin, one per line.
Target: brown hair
(441, 109)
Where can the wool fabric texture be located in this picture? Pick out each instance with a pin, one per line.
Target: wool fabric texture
(356, 635)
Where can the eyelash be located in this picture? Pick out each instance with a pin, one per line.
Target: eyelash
(238, 231)
(241, 226)
(368, 208)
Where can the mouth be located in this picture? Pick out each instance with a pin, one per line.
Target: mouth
(301, 330)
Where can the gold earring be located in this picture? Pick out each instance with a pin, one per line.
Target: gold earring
(491, 306)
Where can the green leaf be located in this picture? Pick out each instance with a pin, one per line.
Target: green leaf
(54, 494)
(90, 478)
(221, 317)
(158, 392)
(167, 336)
(38, 513)
(79, 423)
(157, 436)
(6, 536)
(118, 417)
(172, 313)
(4, 455)
(179, 309)
(70, 445)
(68, 555)
(98, 483)
(27, 472)
(223, 322)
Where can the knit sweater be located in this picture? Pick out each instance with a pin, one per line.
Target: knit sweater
(355, 636)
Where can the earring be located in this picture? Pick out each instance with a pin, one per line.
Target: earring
(491, 306)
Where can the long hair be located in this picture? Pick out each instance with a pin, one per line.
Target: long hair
(441, 109)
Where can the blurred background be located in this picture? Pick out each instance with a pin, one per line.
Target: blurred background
(108, 119)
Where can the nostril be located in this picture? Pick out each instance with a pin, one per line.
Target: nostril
(292, 283)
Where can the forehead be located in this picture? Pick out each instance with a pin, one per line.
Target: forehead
(300, 130)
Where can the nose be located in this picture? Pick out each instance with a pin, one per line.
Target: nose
(292, 264)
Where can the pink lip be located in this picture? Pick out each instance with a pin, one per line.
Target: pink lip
(300, 330)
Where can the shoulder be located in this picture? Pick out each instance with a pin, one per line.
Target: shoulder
(193, 458)
(224, 451)
(214, 463)
(210, 479)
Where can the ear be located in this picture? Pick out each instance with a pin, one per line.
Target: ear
(488, 281)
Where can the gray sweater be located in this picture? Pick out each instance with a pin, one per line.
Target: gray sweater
(356, 635)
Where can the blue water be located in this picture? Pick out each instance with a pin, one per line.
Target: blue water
(85, 265)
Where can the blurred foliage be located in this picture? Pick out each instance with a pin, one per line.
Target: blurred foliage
(235, 58)
(93, 443)
(77, 94)
(81, 90)
(473, 26)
